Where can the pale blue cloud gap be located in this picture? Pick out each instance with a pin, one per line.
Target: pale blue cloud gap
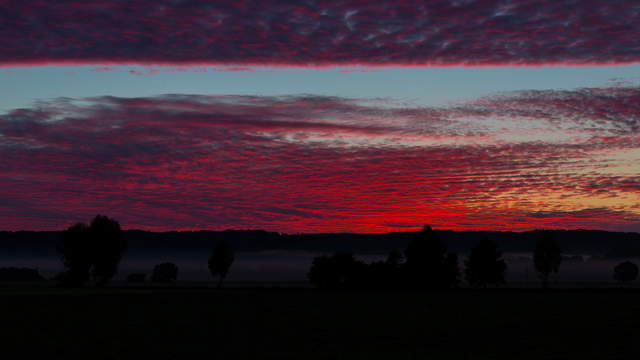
(20, 87)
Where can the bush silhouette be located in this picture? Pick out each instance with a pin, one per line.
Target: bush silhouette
(92, 251)
(221, 260)
(344, 271)
(428, 265)
(166, 272)
(547, 257)
(484, 266)
(136, 278)
(385, 275)
(378, 275)
(394, 258)
(338, 271)
(625, 272)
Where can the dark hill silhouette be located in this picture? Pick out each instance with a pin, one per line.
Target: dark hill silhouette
(145, 243)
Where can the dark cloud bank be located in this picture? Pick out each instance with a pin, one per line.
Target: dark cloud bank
(320, 32)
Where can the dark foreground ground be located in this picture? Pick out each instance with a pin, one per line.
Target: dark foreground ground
(302, 324)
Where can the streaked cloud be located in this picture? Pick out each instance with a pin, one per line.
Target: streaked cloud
(305, 163)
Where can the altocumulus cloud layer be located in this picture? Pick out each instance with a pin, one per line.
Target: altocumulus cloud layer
(553, 159)
(320, 32)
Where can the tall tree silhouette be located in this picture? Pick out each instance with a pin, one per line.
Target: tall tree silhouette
(428, 265)
(92, 251)
(77, 255)
(484, 266)
(547, 257)
(220, 261)
(109, 246)
(625, 272)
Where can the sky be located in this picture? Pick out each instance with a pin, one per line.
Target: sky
(320, 116)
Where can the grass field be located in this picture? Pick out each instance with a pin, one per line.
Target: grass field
(302, 324)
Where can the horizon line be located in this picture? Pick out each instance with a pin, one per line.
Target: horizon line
(345, 233)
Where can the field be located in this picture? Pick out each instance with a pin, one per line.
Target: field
(303, 324)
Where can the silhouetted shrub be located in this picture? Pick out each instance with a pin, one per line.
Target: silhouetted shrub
(380, 275)
(92, 251)
(428, 265)
(19, 274)
(484, 266)
(625, 272)
(221, 260)
(136, 278)
(394, 258)
(344, 271)
(383, 275)
(165, 272)
(547, 257)
(338, 271)
(60, 278)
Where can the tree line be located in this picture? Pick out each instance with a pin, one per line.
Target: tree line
(91, 254)
(426, 264)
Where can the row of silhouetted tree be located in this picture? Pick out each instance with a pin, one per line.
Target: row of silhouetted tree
(92, 253)
(427, 264)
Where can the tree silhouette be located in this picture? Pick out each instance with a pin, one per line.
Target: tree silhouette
(484, 266)
(221, 260)
(428, 265)
(92, 251)
(77, 255)
(165, 272)
(547, 257)
(338, 271)
(625, 272)
(109, 246)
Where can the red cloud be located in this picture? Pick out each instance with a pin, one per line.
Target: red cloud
(307, 163)
(320, 32)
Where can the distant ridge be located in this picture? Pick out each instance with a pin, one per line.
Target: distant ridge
(593, 242)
